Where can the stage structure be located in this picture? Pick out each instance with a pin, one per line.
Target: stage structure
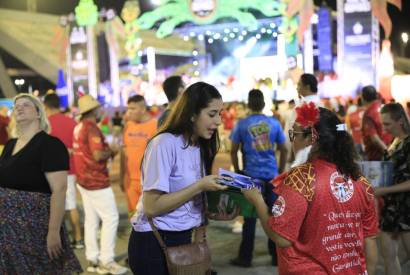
(237, 43)
(107, 55)
(206, 12)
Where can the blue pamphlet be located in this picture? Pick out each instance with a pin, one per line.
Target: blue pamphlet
(238, 181)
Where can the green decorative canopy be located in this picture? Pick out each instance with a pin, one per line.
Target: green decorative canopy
(202, 12)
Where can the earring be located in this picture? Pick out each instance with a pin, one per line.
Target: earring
(315, 135)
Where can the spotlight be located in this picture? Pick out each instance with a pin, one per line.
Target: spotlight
(156, 2)
(217, 35)
(314, 19)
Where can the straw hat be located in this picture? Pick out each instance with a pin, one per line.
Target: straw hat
(87, 103)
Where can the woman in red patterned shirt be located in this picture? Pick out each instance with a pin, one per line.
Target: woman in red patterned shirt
(323, 220)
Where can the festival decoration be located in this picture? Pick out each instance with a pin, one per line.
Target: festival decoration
(228, 34)
(307, 115)
(305, 9)
(129, 14)
(60, 42)
(379, 9)
(86, 13)
(289, 28)
(203, 12)
(386, 70)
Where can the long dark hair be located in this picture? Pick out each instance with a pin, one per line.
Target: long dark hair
(336, 146)
(179, 122)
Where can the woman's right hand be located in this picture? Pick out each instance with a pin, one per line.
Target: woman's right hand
(210, 183)
(54, 247)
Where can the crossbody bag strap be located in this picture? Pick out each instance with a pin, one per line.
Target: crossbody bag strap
(157, 235)
(200, 231)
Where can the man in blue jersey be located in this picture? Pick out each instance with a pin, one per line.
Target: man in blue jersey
(257, 135)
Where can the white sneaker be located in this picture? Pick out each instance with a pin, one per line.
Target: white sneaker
(111, 268)
(237, 227)
(92, 266)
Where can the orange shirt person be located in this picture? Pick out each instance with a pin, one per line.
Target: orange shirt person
(140, 127)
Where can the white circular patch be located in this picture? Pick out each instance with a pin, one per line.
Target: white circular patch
(342, 190)
(278, 207)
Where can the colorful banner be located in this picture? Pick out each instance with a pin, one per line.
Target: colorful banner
(358, 45)
(62, 90)
(324, 40)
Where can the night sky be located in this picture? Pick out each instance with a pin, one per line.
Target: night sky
(400, 19)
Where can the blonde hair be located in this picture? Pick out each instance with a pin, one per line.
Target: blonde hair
(44, 124)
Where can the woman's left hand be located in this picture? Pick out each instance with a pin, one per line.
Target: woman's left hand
(252, 195)
(54, 247)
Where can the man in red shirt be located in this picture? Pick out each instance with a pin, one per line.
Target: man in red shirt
(228, 118)
(91, 154)
(354, 124)
(62, 127)
(375, 140)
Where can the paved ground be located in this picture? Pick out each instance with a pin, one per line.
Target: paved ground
(224, 244)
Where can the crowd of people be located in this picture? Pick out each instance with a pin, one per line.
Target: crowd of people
(306, 152)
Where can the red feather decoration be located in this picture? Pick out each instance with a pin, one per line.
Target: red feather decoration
(307, 115)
